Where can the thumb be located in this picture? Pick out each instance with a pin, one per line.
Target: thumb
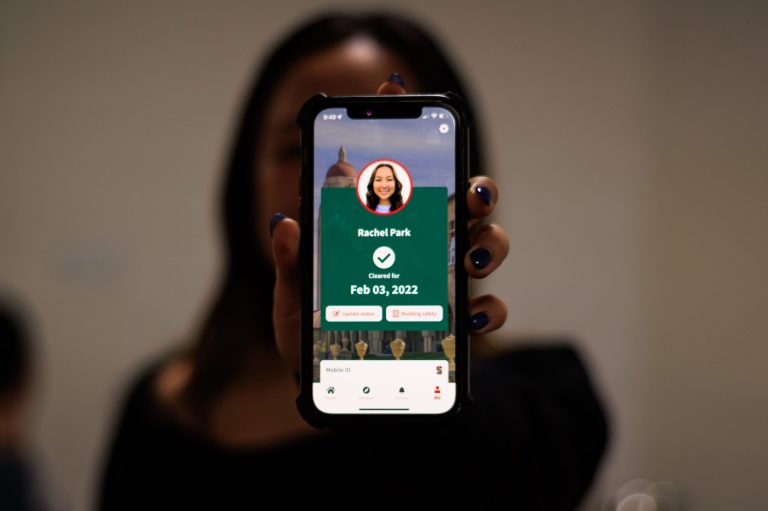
(287, 300)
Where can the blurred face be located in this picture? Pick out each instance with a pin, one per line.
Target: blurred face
(384, 184)
(354, 67)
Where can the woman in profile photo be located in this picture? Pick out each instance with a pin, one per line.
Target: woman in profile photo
(384, 190)
(213, 423)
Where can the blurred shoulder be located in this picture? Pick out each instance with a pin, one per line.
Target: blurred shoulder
(151, 390)
(531, 364)
(526, 351)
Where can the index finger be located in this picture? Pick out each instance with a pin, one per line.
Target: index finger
(393, 85)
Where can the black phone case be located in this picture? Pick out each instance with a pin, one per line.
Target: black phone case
(385, 106)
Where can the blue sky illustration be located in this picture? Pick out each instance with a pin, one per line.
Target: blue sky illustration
(417, 144)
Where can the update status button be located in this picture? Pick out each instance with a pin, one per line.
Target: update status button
(336, 313)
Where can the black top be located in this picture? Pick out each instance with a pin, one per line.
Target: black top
(533, 440)
(15, 482)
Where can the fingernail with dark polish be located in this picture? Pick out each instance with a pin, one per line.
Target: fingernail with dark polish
(480, 258)
(479, 320)
(396, 78)
(274, 221)
(484, 194)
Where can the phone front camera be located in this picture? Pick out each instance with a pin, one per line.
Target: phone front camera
(369, 113)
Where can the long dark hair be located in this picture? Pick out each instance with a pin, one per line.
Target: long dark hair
(15, 351)
(241, 312)
(395, 200)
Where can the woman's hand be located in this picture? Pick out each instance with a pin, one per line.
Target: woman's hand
(488, 248)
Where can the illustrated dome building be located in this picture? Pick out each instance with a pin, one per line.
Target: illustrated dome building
(341, 174)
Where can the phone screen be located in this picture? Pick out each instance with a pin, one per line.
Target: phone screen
(384, 263)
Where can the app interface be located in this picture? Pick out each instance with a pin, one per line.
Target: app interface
(384, 262)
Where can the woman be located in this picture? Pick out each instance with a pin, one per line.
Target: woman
(384, 190)
(214, 424)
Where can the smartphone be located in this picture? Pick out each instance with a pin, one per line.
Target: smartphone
(383, 236)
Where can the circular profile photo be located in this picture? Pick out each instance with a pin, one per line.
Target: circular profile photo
(384, 187)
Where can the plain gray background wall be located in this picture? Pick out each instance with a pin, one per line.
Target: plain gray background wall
(628, 138)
